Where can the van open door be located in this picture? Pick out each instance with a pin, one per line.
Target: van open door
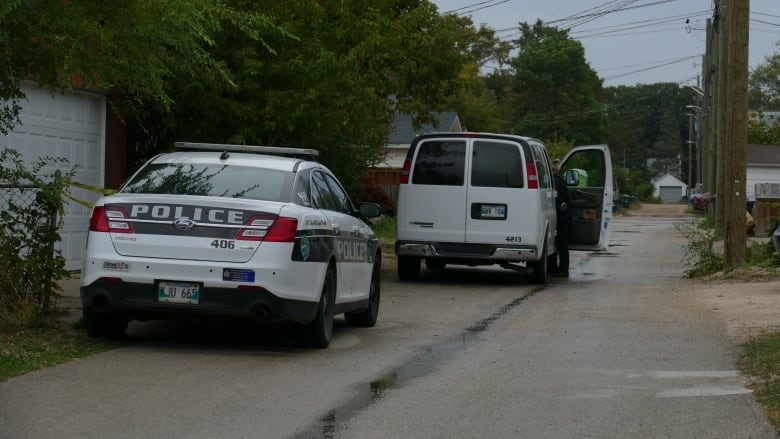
(588, 174)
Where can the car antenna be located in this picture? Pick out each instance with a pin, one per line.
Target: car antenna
(224, 156)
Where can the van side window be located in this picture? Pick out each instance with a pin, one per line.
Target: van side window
(497, 165)
(440, 162)
(542, 166)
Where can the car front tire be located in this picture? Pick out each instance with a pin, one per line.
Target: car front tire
(367, 317)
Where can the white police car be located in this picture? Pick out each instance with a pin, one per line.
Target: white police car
(223, 232)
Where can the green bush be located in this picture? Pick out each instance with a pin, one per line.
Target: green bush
(29, 263)
(699, 257)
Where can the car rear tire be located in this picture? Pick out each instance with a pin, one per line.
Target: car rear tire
(104, 325)
(318, 333)
(367, 317)
(408, 267)
(539, 268)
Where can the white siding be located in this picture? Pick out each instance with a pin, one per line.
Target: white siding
(760, 174)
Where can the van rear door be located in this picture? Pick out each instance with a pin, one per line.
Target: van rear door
(588, 174)
(502, 208)
(433, 210)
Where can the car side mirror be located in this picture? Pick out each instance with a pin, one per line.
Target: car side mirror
(572, 177)
(369, 210)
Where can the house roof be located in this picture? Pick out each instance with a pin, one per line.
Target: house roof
(403, 131)
(763, 155)
(668, 180)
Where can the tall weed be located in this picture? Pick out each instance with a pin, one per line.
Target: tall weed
(699, 257)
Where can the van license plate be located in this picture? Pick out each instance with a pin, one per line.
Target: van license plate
(493, 211)
(178, 292)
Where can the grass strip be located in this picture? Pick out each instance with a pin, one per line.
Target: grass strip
(30, 349)
(761, 360)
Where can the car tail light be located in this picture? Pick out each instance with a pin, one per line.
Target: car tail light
(405, 171)
(109, 219)
(269, 228)
(533, 179)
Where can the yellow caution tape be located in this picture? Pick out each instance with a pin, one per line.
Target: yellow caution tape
(97, 189)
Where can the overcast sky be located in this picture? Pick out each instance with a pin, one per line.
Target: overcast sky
(629, 42)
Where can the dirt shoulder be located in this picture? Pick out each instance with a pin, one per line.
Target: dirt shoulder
(746, 300)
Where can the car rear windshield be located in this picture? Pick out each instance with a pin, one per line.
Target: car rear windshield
(212, 180)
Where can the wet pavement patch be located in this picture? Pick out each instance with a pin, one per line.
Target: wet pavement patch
(434, 356)
(604, 255)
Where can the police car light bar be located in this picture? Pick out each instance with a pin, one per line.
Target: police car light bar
(273, 150)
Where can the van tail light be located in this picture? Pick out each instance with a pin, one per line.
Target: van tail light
(405, 171)
(533, 179)
(269, 228)
(110, 219)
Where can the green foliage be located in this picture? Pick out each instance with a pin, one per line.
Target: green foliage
(761, 359)
(647, 122)
(385, 228)
(763, 130)
(762, 255)
(556, 92)
(29, 349)
(29, 263)
(699, 257)
(133, 47)
(764, 85)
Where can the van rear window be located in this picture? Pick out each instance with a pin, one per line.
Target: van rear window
(440, 162)
(496, 164)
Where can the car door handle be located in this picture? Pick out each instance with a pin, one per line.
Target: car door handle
(336, 230)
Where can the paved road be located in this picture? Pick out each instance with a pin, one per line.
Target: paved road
(614, 351)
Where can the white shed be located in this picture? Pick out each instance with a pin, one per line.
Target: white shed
(669, 189)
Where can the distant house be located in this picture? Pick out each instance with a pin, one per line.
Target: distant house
(669, 189)
(763, 166)
(403, 133)
(386, 174)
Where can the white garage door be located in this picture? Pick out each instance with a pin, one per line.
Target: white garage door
(65, 126)
(670, 194)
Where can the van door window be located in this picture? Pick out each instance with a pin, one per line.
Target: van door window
(497, 165)
(541, 160)
(440, 162)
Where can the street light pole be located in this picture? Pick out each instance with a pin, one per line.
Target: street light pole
(693, 143)
(690, 153)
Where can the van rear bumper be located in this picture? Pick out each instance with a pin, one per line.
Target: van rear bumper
(490, 253)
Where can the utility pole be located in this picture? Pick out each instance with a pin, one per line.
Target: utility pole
(705, 127)
(724, 13)
(735, 145)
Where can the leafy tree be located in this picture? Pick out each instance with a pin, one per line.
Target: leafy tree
(646, 122)
(556, 91)
(763, 130)
(135, 47)
(334, 86)
(764, 85)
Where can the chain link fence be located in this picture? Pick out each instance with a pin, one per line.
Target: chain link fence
(14, 201)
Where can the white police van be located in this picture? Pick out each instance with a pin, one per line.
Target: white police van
(483, 198)
(231, 231)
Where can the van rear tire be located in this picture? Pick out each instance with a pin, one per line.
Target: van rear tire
(434, 264)
(539, 268)
(408, 267)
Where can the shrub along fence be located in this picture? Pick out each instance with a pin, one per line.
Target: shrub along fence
(31, 204)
